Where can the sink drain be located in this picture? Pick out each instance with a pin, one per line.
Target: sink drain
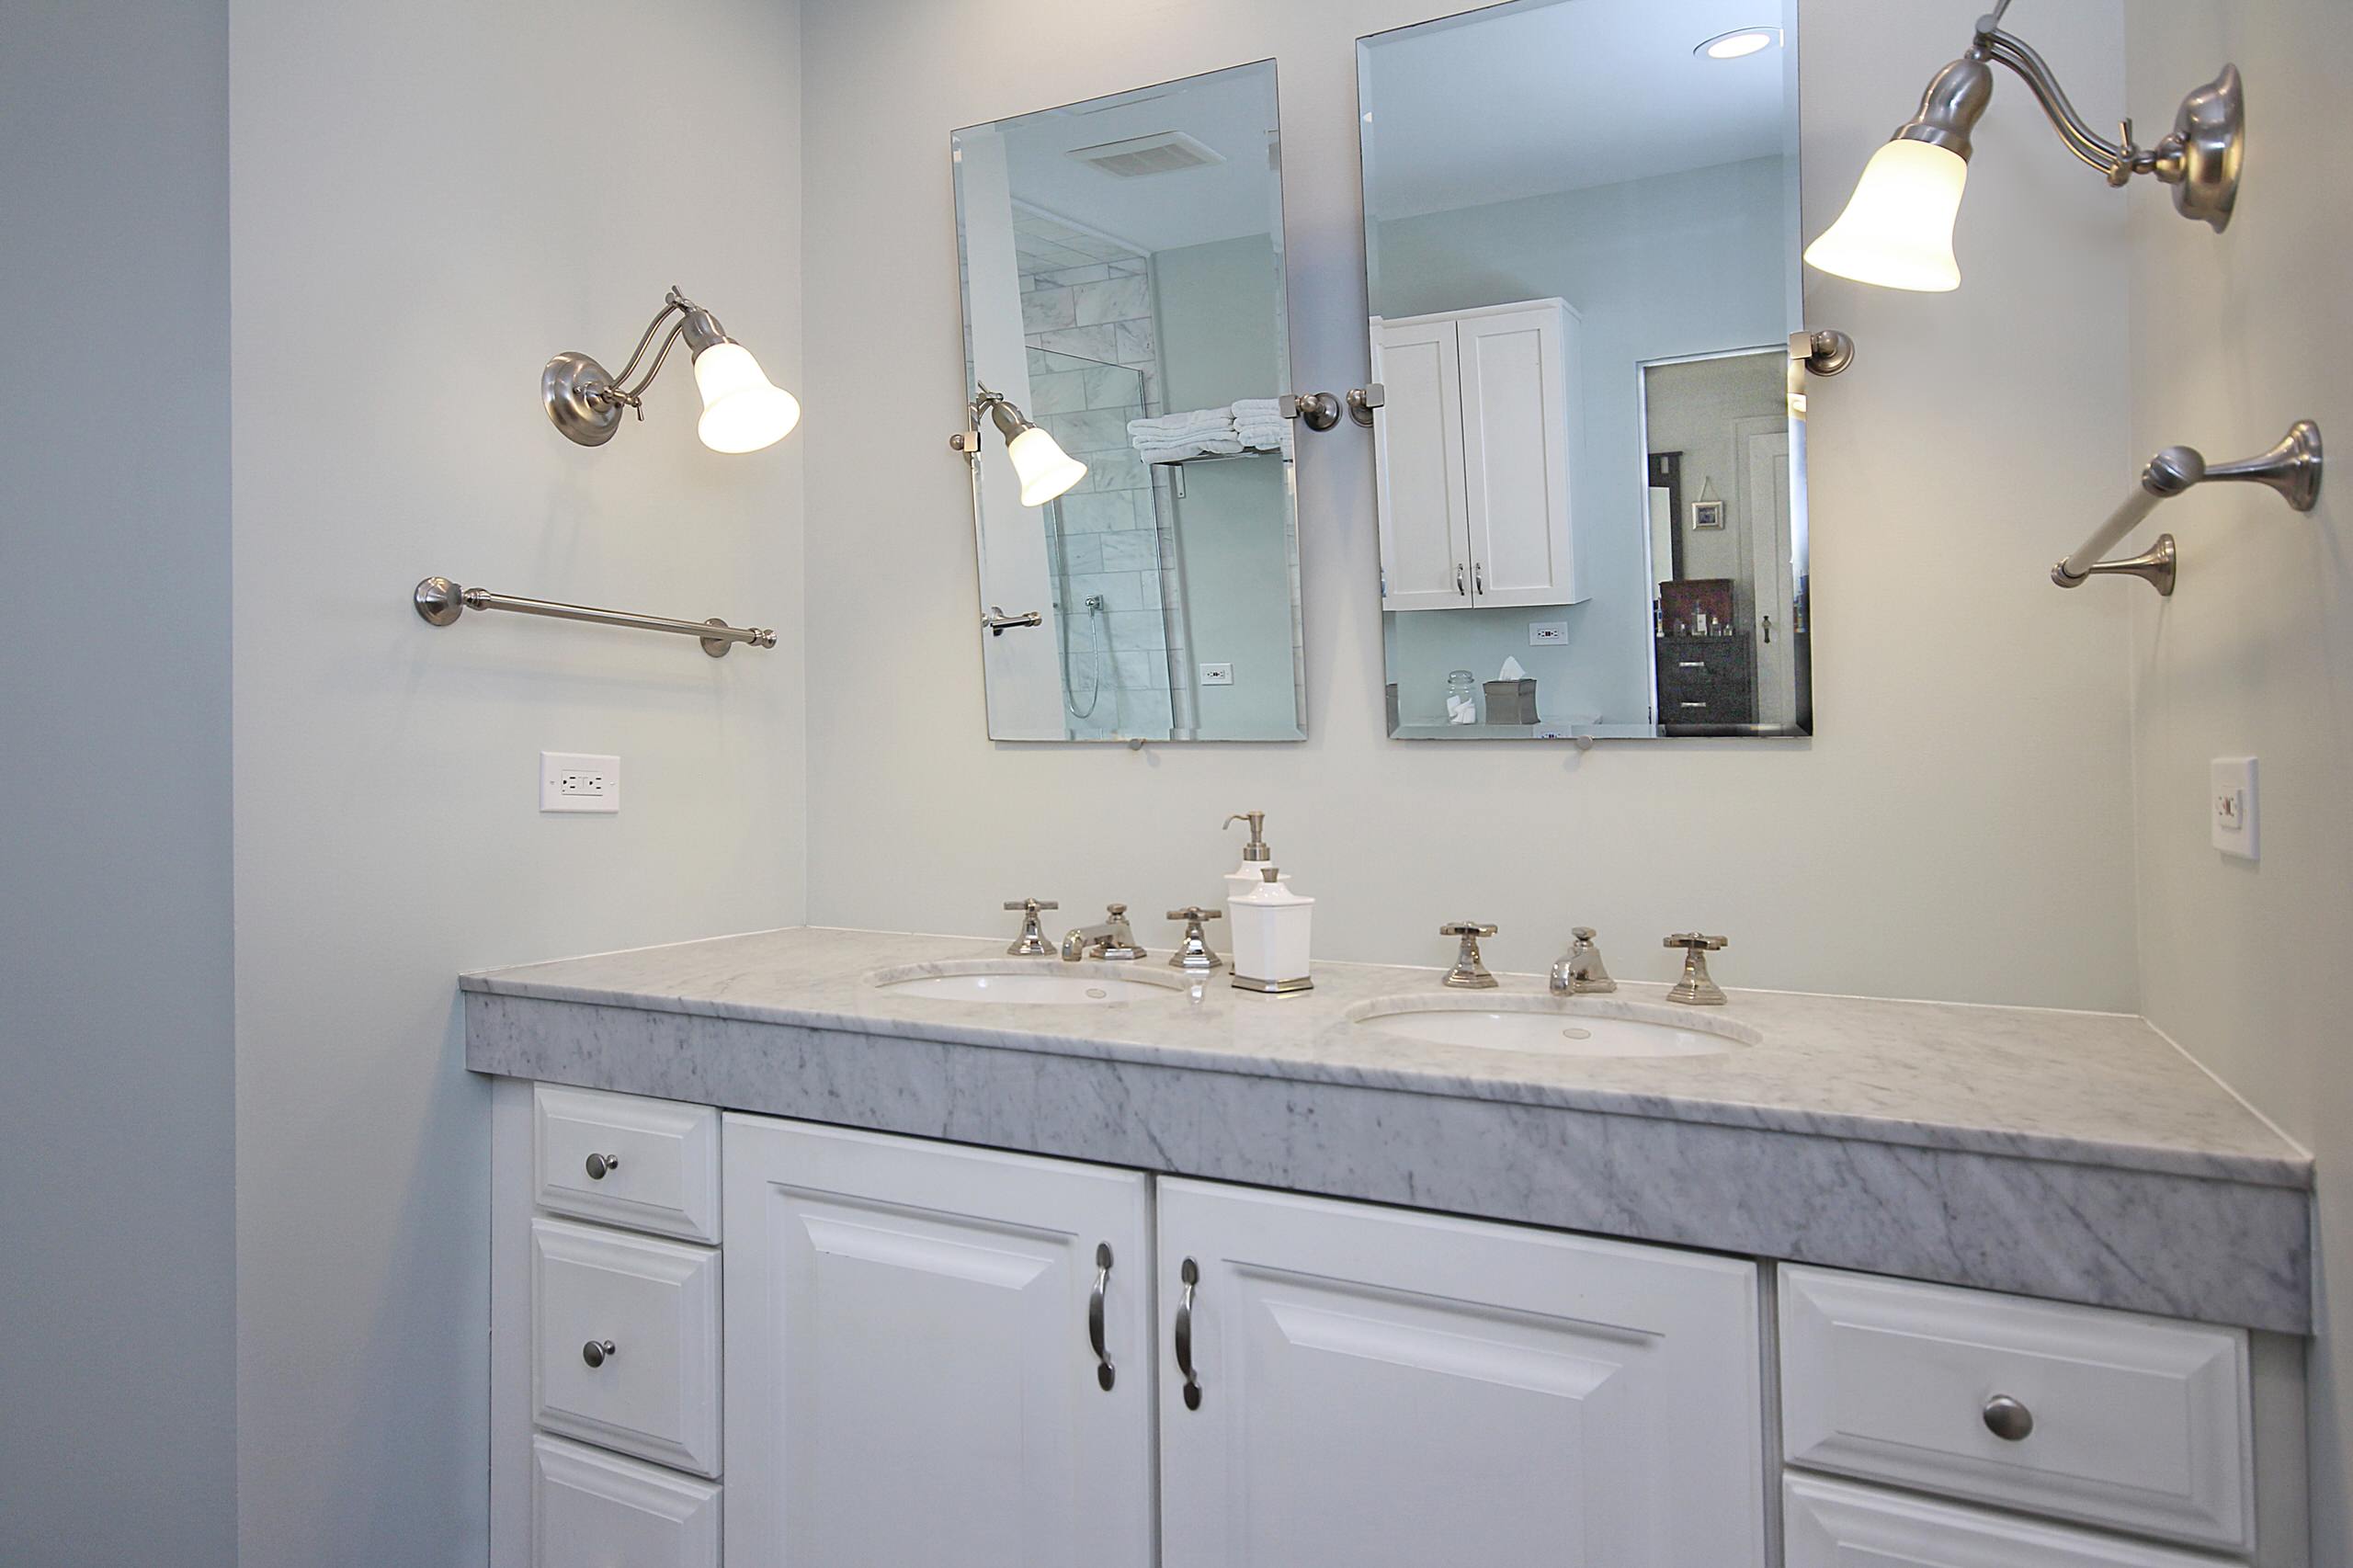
(1574, 1033)
(1096, 993)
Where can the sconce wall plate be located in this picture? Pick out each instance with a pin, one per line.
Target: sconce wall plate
(579, 395)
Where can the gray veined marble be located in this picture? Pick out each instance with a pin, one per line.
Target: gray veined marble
(2076, 1156)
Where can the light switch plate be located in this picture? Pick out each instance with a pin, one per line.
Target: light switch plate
(1542, 632)
(1217, 675)
(2230, 806)
(574, 781)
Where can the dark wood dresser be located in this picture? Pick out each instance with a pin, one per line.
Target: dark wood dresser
(1706, 682)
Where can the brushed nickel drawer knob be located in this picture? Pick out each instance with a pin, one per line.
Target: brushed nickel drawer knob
(596, 1352)
(2008, 1419)
(601, 1166)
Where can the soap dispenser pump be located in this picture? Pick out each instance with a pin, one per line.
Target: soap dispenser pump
(1244, 880)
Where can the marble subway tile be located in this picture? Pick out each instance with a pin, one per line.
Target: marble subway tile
(1131, 550)
(1120, 299)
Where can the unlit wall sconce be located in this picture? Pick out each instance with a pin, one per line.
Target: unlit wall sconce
(1045, 470)
(743, 410)
(1897, 229)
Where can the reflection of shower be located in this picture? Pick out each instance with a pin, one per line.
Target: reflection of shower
(1093, 660)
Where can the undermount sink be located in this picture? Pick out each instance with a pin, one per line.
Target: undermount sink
(1046, 983)
(1543, 1027)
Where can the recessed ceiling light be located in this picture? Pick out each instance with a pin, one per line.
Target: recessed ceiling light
(1738, 43)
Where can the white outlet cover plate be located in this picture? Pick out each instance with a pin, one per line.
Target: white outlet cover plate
(2230, 806)
(579, 782)
(1542, 632)
(1217, 675)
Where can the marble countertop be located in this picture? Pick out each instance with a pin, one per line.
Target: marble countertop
(2083, 1088)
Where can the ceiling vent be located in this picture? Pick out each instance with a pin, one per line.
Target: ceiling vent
(1162, 152)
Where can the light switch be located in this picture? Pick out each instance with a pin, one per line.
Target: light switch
(2230, 806)
(572, 781)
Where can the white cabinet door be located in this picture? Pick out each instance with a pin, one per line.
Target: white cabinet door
(1519, 376)
(910, 1377)
(1383, 1387)
(1417, 467)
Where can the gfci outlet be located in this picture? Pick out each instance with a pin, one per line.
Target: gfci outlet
(2232, 816)
(1217, 675)
(574, 782)
(1542, 632)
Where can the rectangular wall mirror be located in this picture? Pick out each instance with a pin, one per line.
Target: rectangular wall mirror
(1582, 248)
(1123, 293)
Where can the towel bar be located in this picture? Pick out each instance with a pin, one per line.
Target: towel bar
(440, 602)
(2292, 468)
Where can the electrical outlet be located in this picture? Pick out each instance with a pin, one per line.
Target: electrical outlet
(1217, 675)
(571, 782)
(1541, 632)
(2230, 805)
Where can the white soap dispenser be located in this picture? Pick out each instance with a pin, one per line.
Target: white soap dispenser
(1270, 937)
(1244, 880)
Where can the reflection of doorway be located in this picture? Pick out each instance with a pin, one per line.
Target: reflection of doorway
(1764, 469)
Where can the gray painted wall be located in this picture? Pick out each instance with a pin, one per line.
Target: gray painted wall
(416, 197)
(117, 1366)
(1976, 700)
(2252, 655)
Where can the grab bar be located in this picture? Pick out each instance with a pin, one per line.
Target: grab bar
(2292, 468)
(440, 602)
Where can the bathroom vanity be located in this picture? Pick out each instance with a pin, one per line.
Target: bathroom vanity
(863, 1248)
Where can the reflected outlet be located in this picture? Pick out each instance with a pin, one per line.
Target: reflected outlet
(1217, 675)
(1541, 632)
(575, 781)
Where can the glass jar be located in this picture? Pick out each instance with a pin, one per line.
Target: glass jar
(1462, 698)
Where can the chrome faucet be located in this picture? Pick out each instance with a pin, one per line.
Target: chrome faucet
(1112, 939)
(1470, 972)
(1696, 989)
(1579, 971)
(1032, 943)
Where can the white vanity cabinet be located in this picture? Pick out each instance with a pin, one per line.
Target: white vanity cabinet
(1472, 457)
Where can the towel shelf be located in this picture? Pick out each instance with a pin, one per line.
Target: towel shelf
(440, 602)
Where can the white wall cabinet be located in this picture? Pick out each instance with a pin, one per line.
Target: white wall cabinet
(1473, 454)
(1378, 1386)
(911, 1366)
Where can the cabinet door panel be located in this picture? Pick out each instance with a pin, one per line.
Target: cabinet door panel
(910, 1376)
(1383, 1387)
(1519, 370)
(1417, 450)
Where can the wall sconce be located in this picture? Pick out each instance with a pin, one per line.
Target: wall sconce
(1897, 230)
(742, 409)
(1045, 470)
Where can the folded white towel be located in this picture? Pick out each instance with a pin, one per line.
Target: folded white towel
(1248, 427)
(1179, 452)
(1247, 408)
(1191, 422)
(1268, 438)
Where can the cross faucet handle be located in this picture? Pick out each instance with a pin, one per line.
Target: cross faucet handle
(1193, 954)
(1032, 941)
(1194, 915)
(1696, 989)
(1695, 941)
(1470, 971)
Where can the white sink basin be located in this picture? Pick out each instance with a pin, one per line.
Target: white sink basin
(1041, 982)
(1542, 1026)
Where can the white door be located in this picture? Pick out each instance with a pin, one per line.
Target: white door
(1417, 467)
(1764, 496)
(1381, 1387)
(1518, 369)
(910, 1376)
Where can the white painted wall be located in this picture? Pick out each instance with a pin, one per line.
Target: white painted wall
(2235, 336)
(118, 1401)
(429, 200)
(1959, 829)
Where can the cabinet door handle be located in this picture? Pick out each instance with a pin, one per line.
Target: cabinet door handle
(1104, 1371)
(1191, 1275)
(1479, 575)
(596, 1352)
(1458, 580)
(1768, 628)
(602, 1165)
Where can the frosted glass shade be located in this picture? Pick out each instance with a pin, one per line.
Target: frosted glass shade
(1897, 229)
(1045, 468)
(742, 409)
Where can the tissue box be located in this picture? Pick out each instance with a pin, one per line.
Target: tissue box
(1511, 701)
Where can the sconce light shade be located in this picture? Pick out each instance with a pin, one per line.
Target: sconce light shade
(1046, 470)
(742, 409)
(1897, 229)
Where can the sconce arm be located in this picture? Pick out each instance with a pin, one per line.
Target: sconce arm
(2117, 162)
(696, 325)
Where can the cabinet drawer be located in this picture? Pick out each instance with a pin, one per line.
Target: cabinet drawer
(590, 1508)
(649, 1164)
(655, 1392)
(2133, 1422)
(1833, 1524)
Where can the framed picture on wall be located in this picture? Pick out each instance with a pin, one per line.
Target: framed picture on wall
(1707, 514)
